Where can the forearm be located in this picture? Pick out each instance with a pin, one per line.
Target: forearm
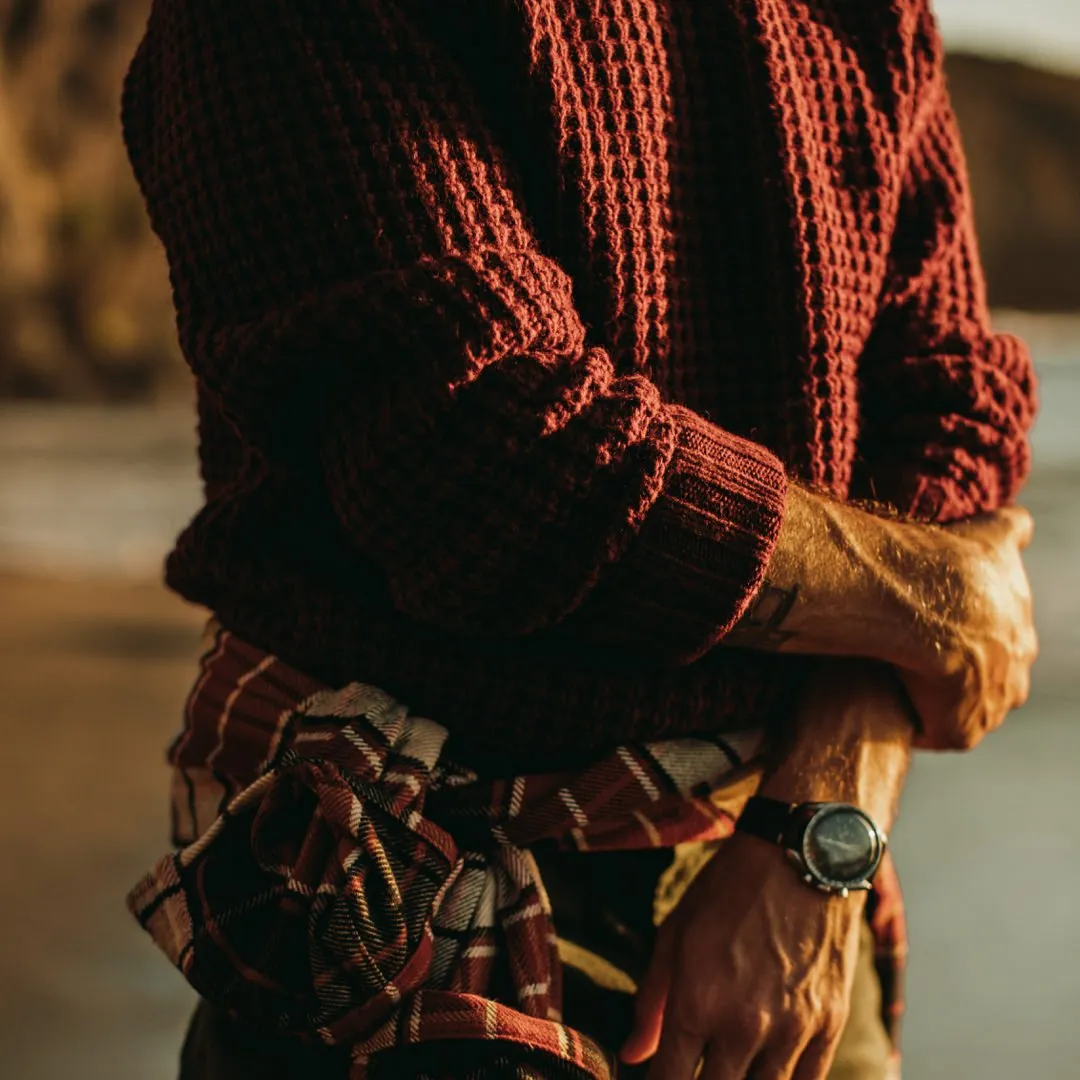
(850, 741)
(846, 582)
(790, 951)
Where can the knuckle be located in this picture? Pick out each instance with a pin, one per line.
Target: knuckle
(794, 1023)
(1031, 652)
(834, 1022)
(753, 1023)
(1021, 690)
(948, 736)
(821, 1010)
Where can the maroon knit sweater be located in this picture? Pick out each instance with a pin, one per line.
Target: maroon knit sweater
(510, 318)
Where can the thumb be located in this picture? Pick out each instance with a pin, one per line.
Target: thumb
(652, 995)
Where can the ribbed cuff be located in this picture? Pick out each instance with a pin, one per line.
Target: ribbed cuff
(701, 552)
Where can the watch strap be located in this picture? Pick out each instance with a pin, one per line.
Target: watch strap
(766, 818)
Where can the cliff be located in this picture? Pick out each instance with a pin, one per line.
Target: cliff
(1021, 131)
(85, 304)
(85, 308)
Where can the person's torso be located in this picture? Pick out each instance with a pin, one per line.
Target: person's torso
(727, 228)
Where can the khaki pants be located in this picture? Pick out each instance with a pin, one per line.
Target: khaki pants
(605, 907)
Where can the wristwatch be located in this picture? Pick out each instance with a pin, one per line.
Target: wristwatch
(836, 847)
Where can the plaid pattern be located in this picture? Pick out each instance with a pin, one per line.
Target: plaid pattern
(340, 879)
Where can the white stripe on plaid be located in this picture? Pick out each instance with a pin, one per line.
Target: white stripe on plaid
(376, 772)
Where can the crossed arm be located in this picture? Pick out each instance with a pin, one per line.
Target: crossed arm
(947, 607)
(460, 403)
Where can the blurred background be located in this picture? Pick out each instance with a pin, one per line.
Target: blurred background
(97, 475)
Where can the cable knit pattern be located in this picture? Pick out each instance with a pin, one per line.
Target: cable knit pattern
(511, 319)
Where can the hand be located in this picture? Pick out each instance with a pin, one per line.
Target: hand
(752, 972)
(979, 636)
(753, 969)
(949, 608)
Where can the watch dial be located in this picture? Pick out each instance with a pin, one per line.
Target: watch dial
(841, 846)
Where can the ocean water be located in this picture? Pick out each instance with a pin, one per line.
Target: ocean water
(105, 490)
(988, 843)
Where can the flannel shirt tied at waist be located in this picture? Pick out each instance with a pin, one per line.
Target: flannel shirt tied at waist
(339, 879)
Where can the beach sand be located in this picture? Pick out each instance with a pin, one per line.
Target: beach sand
(93, 677)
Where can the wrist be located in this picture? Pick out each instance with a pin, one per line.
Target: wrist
(862, 777)
(836, 847)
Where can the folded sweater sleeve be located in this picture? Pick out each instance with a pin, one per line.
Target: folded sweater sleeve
(947, 403)
(359, 285)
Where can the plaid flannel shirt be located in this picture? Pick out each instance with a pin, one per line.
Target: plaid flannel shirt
(339, 879)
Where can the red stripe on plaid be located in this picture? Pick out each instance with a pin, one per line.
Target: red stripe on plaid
(344, 882)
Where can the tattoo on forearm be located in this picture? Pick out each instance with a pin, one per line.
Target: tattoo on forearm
(762, 626)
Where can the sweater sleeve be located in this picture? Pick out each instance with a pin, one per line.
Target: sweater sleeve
(358, 284)
(947, 404)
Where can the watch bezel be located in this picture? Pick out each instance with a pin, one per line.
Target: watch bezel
(818, 812)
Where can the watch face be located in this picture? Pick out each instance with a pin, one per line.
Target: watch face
(841, 846)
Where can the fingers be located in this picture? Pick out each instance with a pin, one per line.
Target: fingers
(782, 1056)
(800, 1058)
(1021, 525)
(777, 1068)
(1009, 523)
(729, 1053)
(721, 1063)
(924, 741)
(816, 1058)
(1015, 523)
(1021, 688)
(678, 1057)
(651, 999)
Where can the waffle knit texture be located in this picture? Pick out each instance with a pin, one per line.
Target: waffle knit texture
(511, 320)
